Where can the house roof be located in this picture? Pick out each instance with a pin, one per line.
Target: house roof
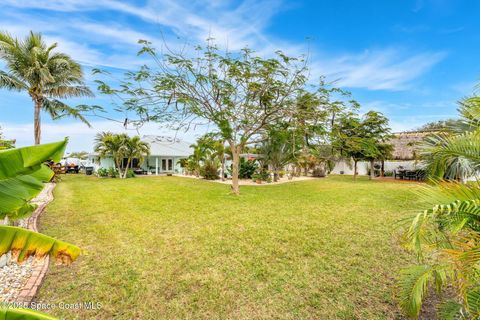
(167, 146)
(405, 144)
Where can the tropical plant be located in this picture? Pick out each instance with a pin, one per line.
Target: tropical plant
(23, 314)
(277, 150)
(363, 138)
(5, 144)
(108, 144)
(102, 172)
(241, 94)
(247, 168)
(134, 148)
(209, 169)
(22, 172)
(120, 147)
(446, 238)
(32, 66)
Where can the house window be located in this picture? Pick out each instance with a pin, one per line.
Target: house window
(133, 164)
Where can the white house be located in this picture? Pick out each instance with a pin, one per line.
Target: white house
(165, 155)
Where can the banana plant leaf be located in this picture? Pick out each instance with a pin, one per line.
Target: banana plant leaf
(22, 174)
(25, 243)
(23, 314)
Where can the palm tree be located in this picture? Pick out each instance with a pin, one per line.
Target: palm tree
(453, 153)
(32, 66)
(112, 145)
(278, 150)
(446, 238)
(134, 148)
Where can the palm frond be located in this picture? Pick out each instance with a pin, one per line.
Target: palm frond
(10, 82)
(414, 282)
(25, 243)
(451, 310)
(58, 110)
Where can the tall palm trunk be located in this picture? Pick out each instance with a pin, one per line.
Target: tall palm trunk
(36, 119)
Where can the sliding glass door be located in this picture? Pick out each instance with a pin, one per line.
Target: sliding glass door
(167, 165)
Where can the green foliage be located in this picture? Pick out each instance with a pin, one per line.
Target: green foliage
(362, 138)
(209, 170)
(102, 172)
(33, 66)
(23, 314)
(454, 153)
(24, 243)
(118, 147)
(247, 168)
(22, 174)
(262, 175)
(112, 172)
(241, 94)
(130, 173)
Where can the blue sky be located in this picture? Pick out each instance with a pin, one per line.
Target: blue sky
(410, 59)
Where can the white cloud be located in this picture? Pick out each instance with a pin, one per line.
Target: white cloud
(81, 137)
(386, 69)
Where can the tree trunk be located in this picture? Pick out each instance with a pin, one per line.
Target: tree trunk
(382, 170)
(126, 169)
(354, 170)
(235, 164)
(372, 171)
(36, 120)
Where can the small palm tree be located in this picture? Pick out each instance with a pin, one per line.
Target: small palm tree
(134, 148)
(32, 66)
(446, 238)
(112, 145)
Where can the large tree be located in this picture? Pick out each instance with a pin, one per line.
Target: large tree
(240, 94)
(34, 67)
(362, 138)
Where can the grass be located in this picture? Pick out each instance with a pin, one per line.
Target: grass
(176, 248)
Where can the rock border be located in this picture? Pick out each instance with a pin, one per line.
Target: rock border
(39, 267)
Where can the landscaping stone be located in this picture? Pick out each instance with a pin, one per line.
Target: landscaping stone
(14, 277)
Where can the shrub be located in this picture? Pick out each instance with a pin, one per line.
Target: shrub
(388, 173)
(130, 173)
(102, 172)
(112, 172)
(319, 172)
(262, 175)
(247, 168)
(209, 170)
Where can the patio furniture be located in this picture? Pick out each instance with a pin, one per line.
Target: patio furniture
(410, 175)
(399, 173)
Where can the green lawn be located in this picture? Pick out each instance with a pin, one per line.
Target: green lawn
(176, 248)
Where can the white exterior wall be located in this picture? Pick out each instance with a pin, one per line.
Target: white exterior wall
(362, 166)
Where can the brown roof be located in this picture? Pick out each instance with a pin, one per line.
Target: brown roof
(405, 144)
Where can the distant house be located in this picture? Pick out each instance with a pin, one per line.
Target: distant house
(405, 154)
(165, 155)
